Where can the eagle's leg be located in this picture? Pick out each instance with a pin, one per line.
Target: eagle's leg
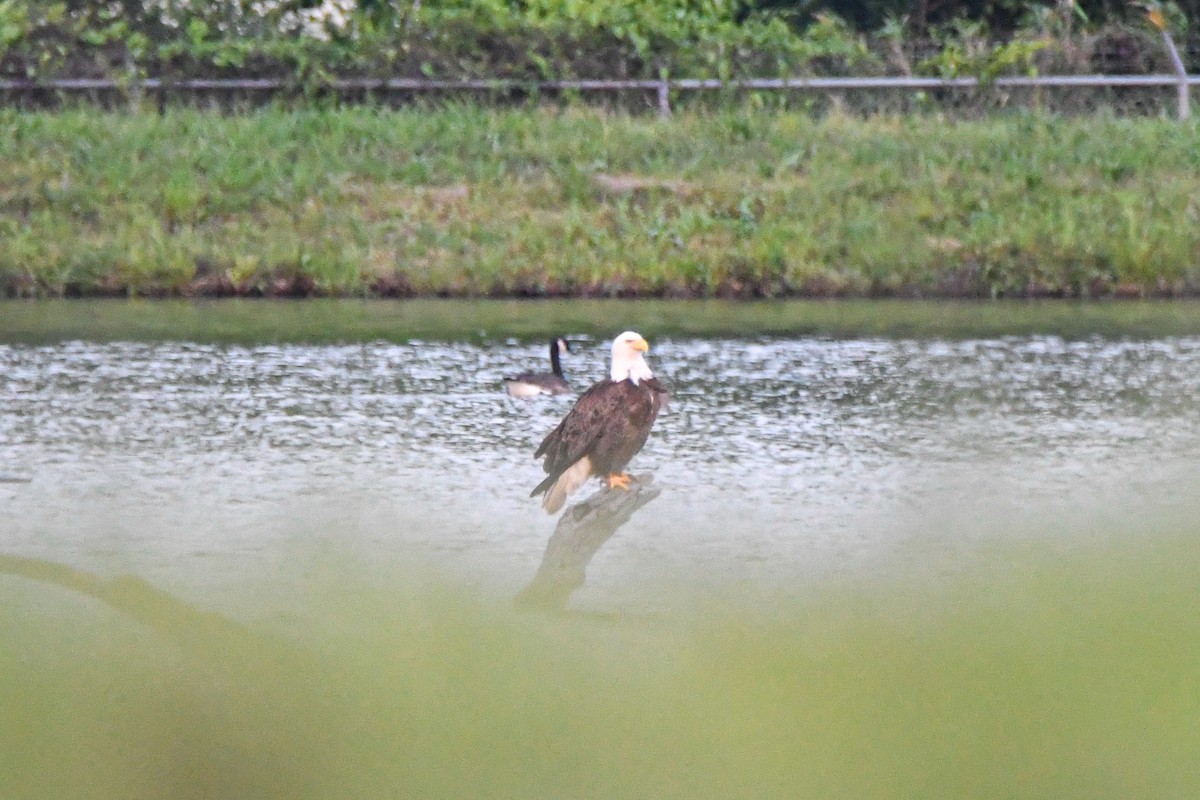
(618, 480)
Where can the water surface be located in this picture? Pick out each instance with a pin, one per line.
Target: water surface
(481, 321)
(779, 458)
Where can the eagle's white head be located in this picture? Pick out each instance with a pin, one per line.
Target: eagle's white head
(627, 360)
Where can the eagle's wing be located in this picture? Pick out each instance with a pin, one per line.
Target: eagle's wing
(580, 429)
(606, 427)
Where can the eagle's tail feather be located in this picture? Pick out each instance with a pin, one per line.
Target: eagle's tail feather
(557, 489)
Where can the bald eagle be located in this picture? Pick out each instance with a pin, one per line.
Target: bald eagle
(607, 426)
(531, 384)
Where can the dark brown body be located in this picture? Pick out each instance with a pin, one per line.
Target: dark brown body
(609, 424)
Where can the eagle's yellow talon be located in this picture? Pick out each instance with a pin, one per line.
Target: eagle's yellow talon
(618, 480)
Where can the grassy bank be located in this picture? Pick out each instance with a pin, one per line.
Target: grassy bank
(467, 202)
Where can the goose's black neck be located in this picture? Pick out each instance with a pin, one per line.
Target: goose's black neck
(555, 365)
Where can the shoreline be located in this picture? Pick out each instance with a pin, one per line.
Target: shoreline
(399, 286)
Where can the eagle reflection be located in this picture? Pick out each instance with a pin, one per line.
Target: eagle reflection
(581, 531)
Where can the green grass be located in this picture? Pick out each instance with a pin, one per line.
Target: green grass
(1038, 676)
(461, 201)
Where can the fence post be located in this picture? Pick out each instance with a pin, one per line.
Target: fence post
(664, 97)
(135, 89)
(1181, 87)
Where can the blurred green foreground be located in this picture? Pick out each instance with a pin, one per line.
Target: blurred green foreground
(1036, 676)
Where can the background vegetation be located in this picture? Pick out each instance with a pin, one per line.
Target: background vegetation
(310, 41)
(740, 196)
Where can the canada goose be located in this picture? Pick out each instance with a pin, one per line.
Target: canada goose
(532, 384)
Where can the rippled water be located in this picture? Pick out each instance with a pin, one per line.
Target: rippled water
(777, 458)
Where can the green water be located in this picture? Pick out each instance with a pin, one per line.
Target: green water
(350, 320)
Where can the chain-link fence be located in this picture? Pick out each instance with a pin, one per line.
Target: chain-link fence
(1124, 72)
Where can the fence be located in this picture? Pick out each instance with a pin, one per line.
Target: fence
(662, 91)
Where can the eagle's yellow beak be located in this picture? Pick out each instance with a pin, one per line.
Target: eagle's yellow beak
(640, 345)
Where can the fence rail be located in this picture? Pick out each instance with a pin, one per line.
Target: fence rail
(663, 88)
